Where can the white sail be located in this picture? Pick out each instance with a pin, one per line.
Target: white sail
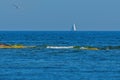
(74, 28)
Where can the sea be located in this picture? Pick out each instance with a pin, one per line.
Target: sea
(55, 58)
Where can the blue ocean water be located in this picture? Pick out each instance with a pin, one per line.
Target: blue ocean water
(60, 63)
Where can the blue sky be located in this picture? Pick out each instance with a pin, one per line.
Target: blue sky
(60, 15)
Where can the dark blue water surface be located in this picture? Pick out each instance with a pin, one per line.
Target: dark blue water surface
(59, 64)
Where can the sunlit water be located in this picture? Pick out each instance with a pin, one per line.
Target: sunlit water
(60, 63)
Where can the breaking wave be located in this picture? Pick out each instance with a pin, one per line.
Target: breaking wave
(60, 47)
(84, 47)
(71, 47)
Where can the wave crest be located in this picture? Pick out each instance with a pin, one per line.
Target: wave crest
(60, 47)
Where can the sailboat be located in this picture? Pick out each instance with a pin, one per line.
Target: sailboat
(74, 28)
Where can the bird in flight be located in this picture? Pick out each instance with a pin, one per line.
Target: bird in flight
(16, 6)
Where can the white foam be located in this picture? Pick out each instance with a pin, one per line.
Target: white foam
(83, 48)
(59, 47)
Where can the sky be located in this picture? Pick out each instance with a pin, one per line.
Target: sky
(60, 15)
